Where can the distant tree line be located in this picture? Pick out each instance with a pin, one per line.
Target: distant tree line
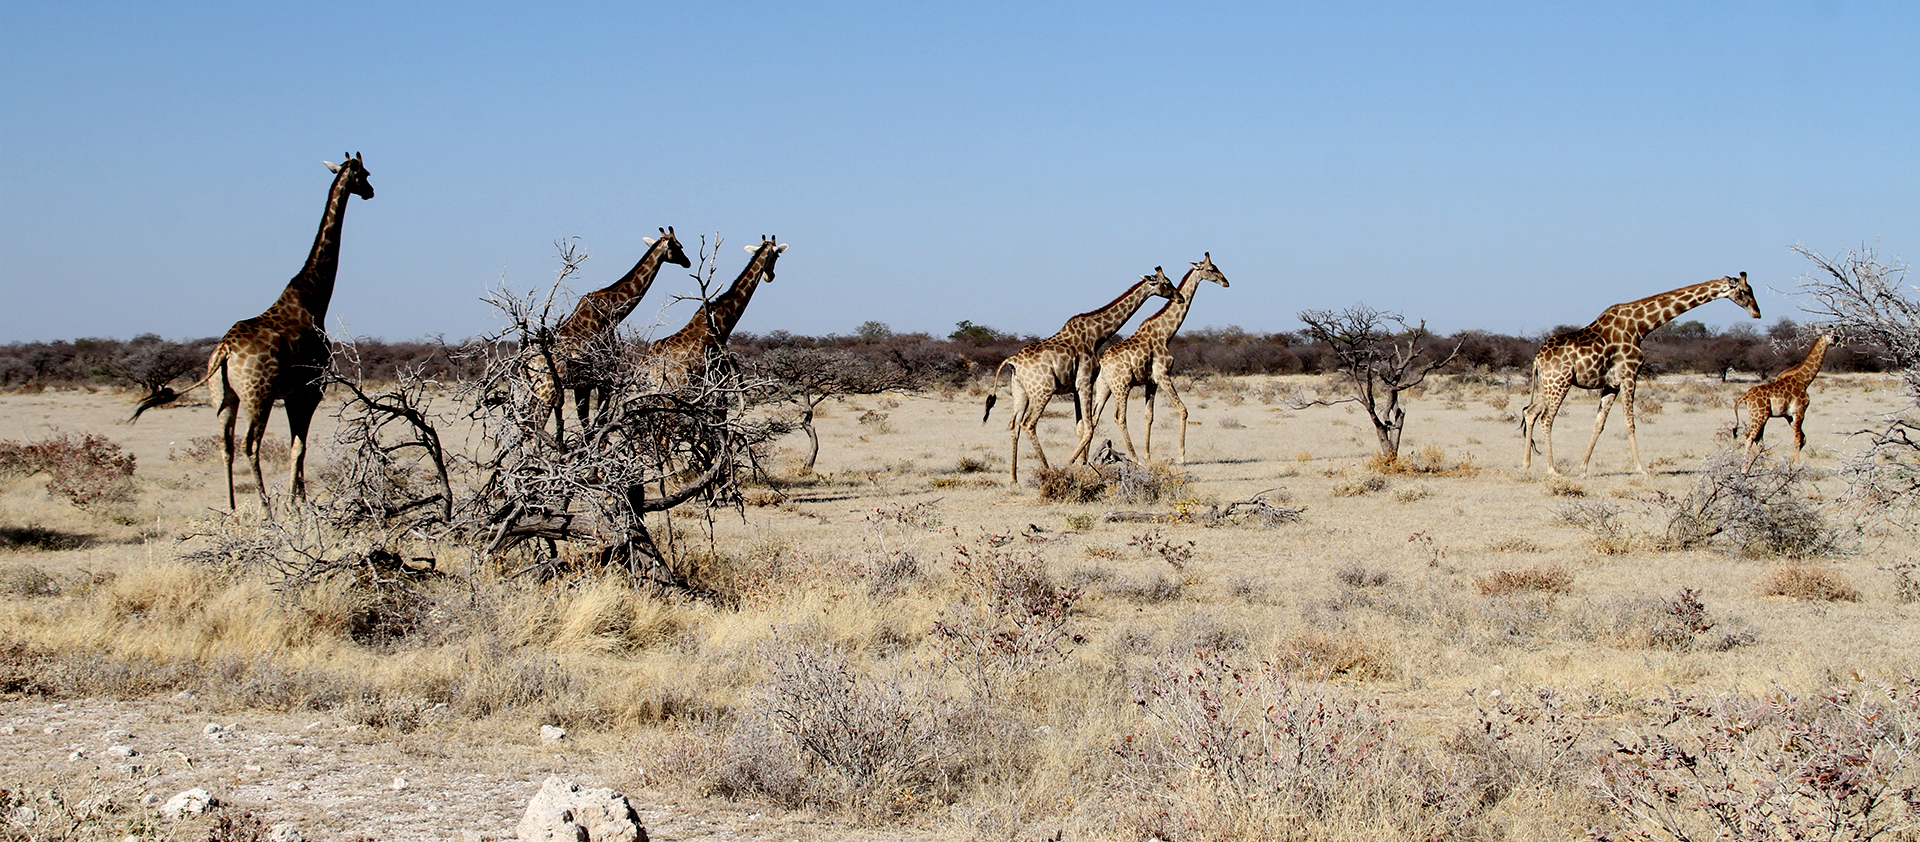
(970, 351)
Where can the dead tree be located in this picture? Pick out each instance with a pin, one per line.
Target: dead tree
(1380, 357)
(1864, 300)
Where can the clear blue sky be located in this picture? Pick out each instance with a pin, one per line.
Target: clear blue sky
(1501, 166)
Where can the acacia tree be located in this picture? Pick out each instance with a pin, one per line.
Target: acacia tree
(808, 377)
(1380, 356)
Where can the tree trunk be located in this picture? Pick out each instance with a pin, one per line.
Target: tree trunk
(813, 437)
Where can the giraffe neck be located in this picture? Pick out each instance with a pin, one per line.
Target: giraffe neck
(1636, 319)
(1107, 320)
(1816, 356)
(723, 312)
(1163, 325)
(312, 289)
(616, 301)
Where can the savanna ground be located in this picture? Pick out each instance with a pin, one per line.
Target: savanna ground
(901, 645)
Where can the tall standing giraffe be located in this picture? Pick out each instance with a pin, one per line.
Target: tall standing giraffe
(1142, 360)
(682, 358)
(592, 324)
(1606, 355)
(281, 353)
(1783, 397)
(1065, 363)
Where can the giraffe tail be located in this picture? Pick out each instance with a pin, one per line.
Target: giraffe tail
(166, 395)
(993, 391)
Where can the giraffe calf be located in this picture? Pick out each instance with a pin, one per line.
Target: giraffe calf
(1783, 397)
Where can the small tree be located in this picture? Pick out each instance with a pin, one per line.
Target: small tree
(810, 376)
(1380, 356)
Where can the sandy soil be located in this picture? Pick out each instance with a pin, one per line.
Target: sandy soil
(339, 782)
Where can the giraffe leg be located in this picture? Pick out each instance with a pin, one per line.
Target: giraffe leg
(1083, 422)
(1017, 414)
(300, 405)
(1031, 421)
(256, 411)
(1633, 440)
(229, 414)
(1180, 405)
(1102, 392)
(1599, 423)
(1147, 394)
(1541, 413)
(581, 398)
(1756, 424)
(1120, 417)
(1799, 411)
(1173, 396)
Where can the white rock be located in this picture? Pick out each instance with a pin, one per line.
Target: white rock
(7, 729)
(117, 735)
(297, 786)
(78, 755)
(563, 812)
(193, 801)
(24, 816)
(398, 784)
(285, 832)
(123, 751)
(552, 734)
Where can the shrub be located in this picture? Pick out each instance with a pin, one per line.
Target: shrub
(1833, 765)
(1554, 579)
(87, 469)
(1750, 507)
(1806, 582)
(1611, 536)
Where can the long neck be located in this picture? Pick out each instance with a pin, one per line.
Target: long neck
(724, 311)
(1816, 356)
(633, 287)
(1166, 323)
(1107, 320)
(312, 289)
(1638, 318)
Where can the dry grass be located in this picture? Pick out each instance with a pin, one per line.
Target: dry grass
(978, 662)
(1552, 579)
(1800, 581)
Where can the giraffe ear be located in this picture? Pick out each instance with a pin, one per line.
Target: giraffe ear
(781, 250)
(331, 166)
(751, 249)
(648, 240)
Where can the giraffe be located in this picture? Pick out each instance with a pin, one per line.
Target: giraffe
(1606, 355)
(682, 358)
(1783, 397)
(1065, 362)
(564, 363)
(281, 353)
(1142, 360)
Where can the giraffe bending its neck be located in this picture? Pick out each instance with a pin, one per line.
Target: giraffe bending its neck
(281, 353)
(1606, 355)
(682, 358)
(592, 323)
(1142, 360)
(1065, 363)
(1784, 397)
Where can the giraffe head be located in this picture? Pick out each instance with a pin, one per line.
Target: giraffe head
(772, 250)
(1209, 272)
(354, 171)
(1737, 291)
(1163, 286)
(675, 255)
